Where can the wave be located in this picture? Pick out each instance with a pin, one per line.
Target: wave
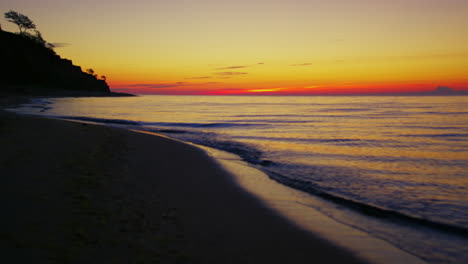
(313, 140)
(447, 113)
(395, 159)
(345, 110)
(269, 121)
(333, 141)
(100, 120)
(254, 156)
(246, 152)
(426, 127)
(444, 136)
(264, 115)
(440, 135)
(162, 124)
(366, 208)
(200, 125)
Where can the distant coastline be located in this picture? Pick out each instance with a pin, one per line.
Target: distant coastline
(439, 91)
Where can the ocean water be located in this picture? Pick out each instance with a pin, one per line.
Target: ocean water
(394, 167)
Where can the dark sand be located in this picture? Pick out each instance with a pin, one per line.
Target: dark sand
(82, 193)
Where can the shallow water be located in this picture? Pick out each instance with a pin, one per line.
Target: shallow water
(396, 167)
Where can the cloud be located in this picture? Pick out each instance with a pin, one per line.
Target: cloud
(302, 64)
(230, 73)
(59, 45)
(157, 85)
(240, 66)
(140, 85)
(197, 78)
(231, 67)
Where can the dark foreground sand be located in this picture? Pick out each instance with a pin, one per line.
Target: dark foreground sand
(81, 193)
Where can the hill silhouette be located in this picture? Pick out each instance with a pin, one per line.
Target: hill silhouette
(444, 90)
(33, 69)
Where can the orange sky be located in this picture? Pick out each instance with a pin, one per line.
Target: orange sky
(259, 46)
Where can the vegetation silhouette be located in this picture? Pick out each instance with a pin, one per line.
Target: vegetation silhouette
(33, 67)
(23, 22)
(92, 72)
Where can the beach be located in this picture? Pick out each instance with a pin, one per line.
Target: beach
(83, 193)
(208, 132)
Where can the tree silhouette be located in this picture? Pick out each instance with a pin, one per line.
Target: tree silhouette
(23, 22)
(91, 72)
(103, 77)
(39, 39)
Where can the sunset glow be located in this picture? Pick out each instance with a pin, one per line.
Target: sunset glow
(253, 47)
(264, 90)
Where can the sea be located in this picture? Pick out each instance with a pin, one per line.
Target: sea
(398, 162)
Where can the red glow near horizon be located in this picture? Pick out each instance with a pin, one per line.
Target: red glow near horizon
(354, 90)
(176, 88)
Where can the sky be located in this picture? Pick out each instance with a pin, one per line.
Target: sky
(259, 46)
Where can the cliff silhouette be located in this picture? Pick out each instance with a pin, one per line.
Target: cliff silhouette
(33, 69)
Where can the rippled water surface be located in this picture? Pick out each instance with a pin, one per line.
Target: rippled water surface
(401, 156)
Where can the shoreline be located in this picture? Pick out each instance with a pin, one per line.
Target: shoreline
(134, 196)
(295, 206)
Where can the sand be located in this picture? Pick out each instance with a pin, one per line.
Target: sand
(83, 193)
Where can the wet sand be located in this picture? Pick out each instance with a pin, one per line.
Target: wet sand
(82, 193)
